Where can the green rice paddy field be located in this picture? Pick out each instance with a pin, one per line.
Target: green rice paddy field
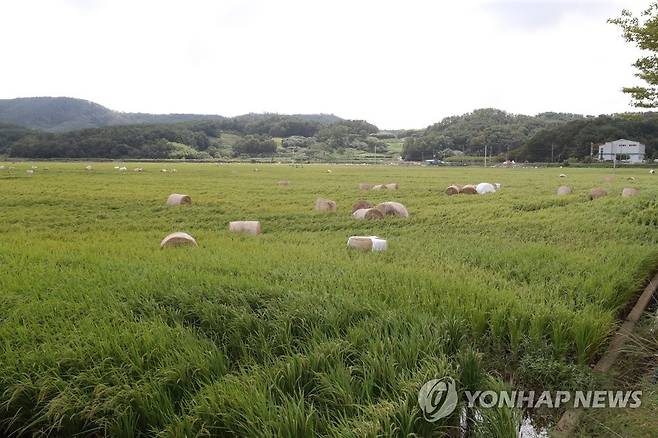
(290, 333)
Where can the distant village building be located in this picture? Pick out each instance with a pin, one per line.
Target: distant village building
(627, 151)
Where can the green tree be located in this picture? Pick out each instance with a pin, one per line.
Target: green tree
(643, 32)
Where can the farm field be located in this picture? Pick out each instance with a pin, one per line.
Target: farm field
(289, 333)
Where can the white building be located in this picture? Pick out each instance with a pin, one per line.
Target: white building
(623, 150)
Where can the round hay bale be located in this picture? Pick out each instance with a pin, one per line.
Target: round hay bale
(629, 191)
(367, 213)
(484, 188)
(469, 189)
(360, 204)
(378, 187)
(367, 243)
(631, 178)
(562, 175)
(392, 186)
(373, 213)
(247, 227)
(597, 192)
(652, 171)
(453, 190)
(564, 190)
(326, 205)
(393, 209)
(178, 239)
(365, 186)
(178, 199)
(283, 182)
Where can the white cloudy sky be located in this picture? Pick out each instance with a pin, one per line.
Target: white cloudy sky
(398, 64)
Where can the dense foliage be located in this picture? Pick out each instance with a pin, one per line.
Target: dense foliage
(469, 133)
(198, 139)
(643, 32)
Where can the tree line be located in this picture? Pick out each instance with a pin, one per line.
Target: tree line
(198, 139)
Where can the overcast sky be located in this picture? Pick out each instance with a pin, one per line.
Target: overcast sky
(398, 64)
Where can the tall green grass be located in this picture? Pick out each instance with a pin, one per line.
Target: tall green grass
(289, 333)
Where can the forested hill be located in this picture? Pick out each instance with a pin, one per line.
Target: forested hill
(500, 131)
(60, 114)
(575, 139)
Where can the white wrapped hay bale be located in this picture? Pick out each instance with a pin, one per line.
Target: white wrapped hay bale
(178, 199)
(564, 190)
(178, 239)
(484, 188)
(629, 192)
(325, 205)
(393, 209)
(367, 243)
(247, 227)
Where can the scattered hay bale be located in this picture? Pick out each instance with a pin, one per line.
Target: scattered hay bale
(325, 205)
(453, 190)
(247, 227)
(283, 182)
(469, 189)
(652, 171)
(629, 191)
(178, 239)
(138, 169)
(367, 243)
(368, 213)
(630, 178)
(360, 204)
(178, 199)
(365, 186)
(597, 192)
(88, 168)
(564, 190)
(393, 209)
(392, 186)
(377, 187)
(562, 175)
(123, 169)
(484, 188)
(328, 170)
(29, 171)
